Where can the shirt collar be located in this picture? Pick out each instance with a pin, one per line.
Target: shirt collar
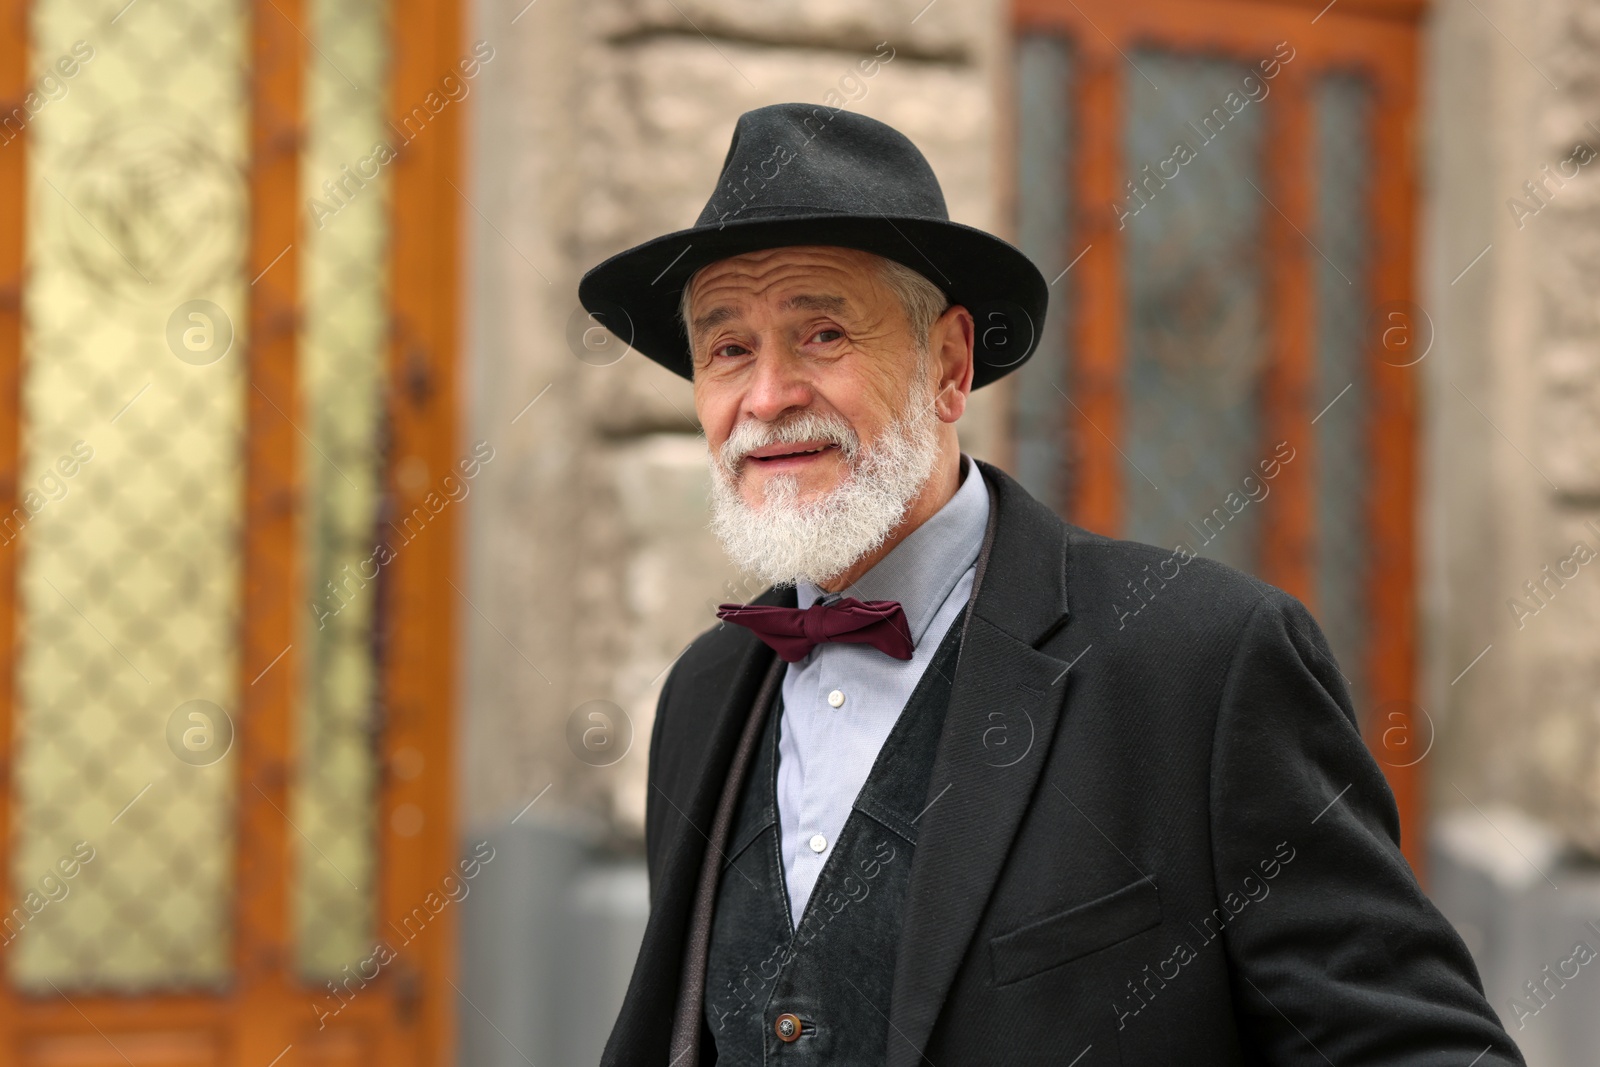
(922, 570)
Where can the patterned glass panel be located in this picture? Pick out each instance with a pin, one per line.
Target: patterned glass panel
(343, 357)
(1344, 226)
(1044, 140)
(1195, 327)
(129, 580)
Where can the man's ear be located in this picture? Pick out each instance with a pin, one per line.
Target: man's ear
(950, 346)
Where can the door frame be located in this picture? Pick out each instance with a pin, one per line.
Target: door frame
(266, 1014)
(1381, 41)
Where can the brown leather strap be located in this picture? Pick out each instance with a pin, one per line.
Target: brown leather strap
(685, 1048)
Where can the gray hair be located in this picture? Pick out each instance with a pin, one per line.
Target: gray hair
(922, 301)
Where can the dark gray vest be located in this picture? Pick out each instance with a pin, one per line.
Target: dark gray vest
(836, 971)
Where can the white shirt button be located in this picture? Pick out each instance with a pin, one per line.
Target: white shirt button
(836, 698)
(818, 843)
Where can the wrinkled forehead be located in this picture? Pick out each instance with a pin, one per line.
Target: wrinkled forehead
(801, 277)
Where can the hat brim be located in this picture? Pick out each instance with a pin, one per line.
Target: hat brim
(636, 294)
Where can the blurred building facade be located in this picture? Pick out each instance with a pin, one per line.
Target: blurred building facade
(1362, 234)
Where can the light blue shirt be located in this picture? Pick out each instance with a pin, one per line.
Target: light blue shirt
(841, 701)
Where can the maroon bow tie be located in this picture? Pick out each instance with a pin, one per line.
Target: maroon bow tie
(794, 632)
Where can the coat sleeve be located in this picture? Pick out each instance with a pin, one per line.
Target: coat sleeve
(1335, 953)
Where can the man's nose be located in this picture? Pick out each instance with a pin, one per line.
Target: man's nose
(778, 384)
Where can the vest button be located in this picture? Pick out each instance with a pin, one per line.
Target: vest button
(787, 1027)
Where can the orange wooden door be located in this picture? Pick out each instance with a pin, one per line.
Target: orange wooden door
(1226, 188)
(227, 276)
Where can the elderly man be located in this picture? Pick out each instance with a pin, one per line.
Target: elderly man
(938, 796)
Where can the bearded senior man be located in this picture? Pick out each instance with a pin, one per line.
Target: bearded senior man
(935, 797)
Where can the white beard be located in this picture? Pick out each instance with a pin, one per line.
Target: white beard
(785, 541)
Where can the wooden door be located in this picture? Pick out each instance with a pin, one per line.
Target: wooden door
(227, 271)
(1222, 191)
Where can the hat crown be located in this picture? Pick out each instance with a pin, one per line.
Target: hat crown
(807, 159)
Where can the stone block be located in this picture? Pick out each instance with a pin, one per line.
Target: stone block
(953, 32)
(663, 110)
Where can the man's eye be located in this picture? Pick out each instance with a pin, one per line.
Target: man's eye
(729, 350)
(822, 337)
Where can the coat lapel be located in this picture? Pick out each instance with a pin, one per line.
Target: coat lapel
(1004, 705)
(687, 785)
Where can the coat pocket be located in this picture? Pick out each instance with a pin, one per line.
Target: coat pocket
(1076, 932)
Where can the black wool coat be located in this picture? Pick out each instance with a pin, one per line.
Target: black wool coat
(1155, 836)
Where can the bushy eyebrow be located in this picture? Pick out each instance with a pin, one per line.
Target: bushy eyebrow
(714, 317)
(833, 305)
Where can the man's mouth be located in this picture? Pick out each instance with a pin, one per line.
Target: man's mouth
(790, 453)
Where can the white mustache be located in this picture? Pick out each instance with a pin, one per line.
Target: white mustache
(752, 434)
(783, 541)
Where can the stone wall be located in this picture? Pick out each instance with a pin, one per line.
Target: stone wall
(1513, 396)
(589, 567)
(596, 127)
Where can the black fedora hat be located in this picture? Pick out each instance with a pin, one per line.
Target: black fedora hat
(803, 174)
